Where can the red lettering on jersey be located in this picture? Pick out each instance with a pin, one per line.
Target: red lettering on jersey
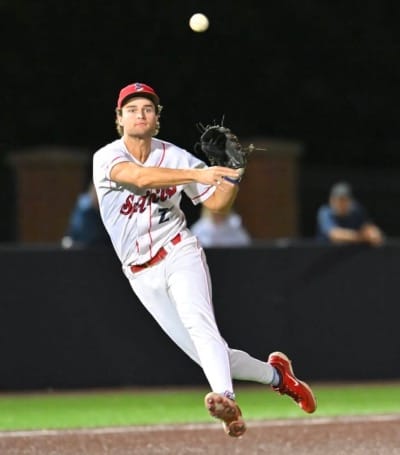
(127, 207)
(170, 191)
(139, 204)
(153, 198)
(167, 193)
(163, 195)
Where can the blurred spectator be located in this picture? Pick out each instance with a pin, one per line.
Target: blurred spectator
(219, 230)
(344, 220)
(85, 227)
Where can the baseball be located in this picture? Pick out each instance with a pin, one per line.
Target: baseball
(199, 22)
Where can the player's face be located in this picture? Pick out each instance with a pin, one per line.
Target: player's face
(139, 118)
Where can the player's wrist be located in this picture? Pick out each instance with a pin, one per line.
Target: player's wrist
(233, 181)
(237, 180)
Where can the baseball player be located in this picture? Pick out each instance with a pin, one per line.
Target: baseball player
(139, 180)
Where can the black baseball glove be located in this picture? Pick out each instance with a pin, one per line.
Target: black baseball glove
(221, 147)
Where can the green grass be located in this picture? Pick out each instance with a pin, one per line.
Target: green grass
(96, 409)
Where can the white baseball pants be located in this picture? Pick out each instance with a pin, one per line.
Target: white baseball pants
(177, 293)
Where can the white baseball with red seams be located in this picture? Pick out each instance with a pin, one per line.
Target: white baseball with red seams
(176, 290)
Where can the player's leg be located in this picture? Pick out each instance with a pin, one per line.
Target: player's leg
(153, 294)
(157, 297)
(247, 368)
(190, 289)
(151, 289)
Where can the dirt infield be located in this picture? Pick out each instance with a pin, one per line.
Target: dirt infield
(377, 435)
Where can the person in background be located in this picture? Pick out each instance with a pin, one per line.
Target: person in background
(345, 221)
(220, 229)
(85, 227)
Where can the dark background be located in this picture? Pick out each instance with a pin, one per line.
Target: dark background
(323, 73)
(86, 328)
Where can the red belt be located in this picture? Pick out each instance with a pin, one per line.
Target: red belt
(159, 256)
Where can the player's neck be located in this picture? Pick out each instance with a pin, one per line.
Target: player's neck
(138, 147)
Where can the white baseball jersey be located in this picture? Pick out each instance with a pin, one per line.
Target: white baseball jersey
(141, 221)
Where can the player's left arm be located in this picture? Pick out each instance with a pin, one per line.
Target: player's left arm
(223, 197)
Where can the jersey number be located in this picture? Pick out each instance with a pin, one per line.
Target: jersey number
(163, 215)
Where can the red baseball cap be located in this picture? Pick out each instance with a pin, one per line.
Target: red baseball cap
(137, 89)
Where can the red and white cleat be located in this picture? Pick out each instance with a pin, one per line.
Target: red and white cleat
(228, 411)
(290, 385)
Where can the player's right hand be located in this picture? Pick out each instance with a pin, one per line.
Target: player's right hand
(214, 175)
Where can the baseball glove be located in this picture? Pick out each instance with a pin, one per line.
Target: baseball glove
(221, 147)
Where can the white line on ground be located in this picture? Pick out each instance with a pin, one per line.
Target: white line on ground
(201, 426)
